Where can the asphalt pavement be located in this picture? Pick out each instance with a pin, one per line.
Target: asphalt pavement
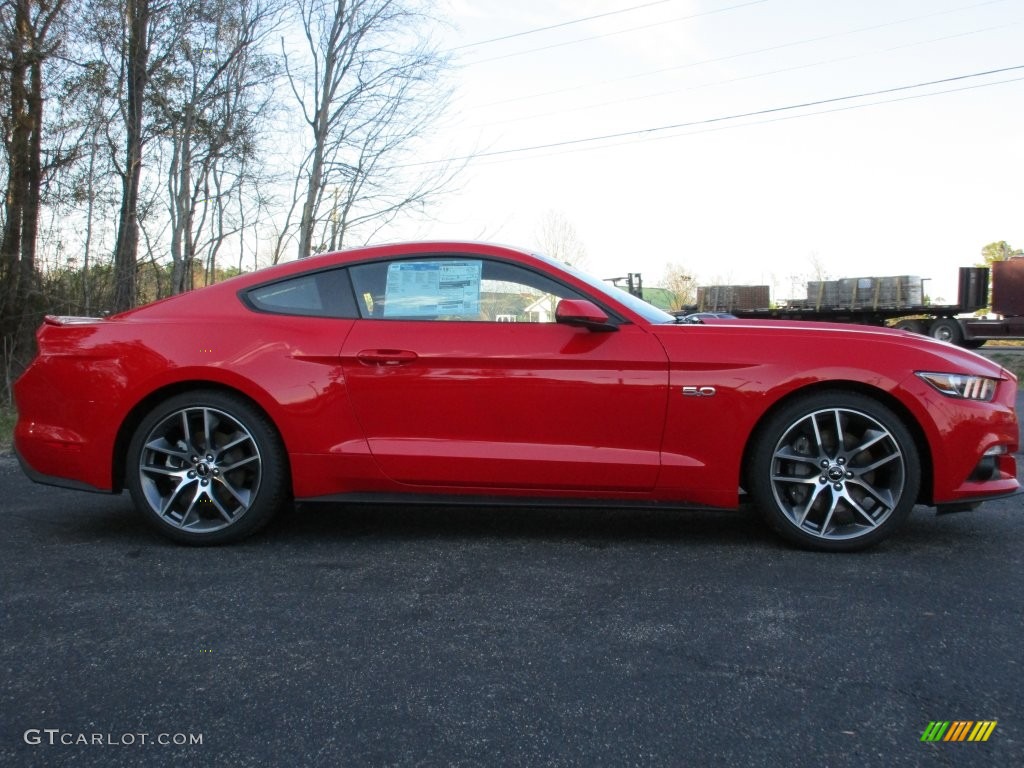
(390, 636)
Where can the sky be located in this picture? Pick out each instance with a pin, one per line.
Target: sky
(748, 141)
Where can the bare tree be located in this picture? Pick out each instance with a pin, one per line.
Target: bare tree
(134, 42)
(210, 102)
(557, 238)
(139, 15)
(681, 282)
(368, 88)
(168, 105)
(85, 194)
(31, 36)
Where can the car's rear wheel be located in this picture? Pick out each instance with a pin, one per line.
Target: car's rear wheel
(834, 471)
(206, 467)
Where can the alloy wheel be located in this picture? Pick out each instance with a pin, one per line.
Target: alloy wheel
(837, 474)
(200, 469)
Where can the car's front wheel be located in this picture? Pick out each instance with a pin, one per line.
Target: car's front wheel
(834, 471)
(206, 467)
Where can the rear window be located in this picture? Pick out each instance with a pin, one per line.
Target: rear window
(320, 294)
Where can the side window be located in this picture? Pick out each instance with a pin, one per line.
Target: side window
(511, 294)
(321, 294)
(455, 288)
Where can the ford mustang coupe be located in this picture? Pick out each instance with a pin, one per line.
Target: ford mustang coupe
(483, 374)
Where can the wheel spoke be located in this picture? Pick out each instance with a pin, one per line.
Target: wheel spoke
(220, 508)
(207, 431)
(231, 489)
(239, 463)
(882, 496)
(234, 443)
(861, 511)
(162, 446)
(840, 432)
(828, 517)
(793, 480)
(186, 431)
(880, 463)
(172, 497)
(165, 471)
(196, 498)
(817, 435)
(786, 454)
(868, 443)
(806, 510)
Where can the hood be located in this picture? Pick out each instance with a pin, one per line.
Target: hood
(829, 343)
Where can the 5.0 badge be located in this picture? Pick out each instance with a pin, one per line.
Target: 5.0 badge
(699, 391)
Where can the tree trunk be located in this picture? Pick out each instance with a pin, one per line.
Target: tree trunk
(307, 221)
(25, 176)
(30, 223)
(126, 247)
(17, 180)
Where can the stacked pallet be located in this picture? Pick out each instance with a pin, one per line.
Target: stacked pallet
(728, 298)
(864, 292)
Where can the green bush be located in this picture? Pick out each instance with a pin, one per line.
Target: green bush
(7, 418)
(1010, 361)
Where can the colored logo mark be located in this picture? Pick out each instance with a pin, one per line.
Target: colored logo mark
(958, 730)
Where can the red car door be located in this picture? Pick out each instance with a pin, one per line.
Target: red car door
(509, 405)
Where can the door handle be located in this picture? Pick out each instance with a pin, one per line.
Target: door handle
(386, 356)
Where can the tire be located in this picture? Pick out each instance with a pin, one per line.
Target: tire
(947, 329)
(206, 467)
(914, 326)
(829, 494)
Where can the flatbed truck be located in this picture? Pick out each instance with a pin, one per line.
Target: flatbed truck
(948, 322)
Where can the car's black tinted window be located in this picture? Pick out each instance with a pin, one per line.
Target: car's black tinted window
(321, 294)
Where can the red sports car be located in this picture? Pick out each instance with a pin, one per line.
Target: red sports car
(473, 372)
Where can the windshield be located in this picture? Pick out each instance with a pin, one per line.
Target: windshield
(649, 312)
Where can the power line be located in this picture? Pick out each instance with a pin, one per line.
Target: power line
(559, 25)
(618, 32)
(742, 54)
(771, 119)
(741, 78)
(713, 120)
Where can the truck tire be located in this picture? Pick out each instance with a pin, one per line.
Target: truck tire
(914, 326)
(947, 329)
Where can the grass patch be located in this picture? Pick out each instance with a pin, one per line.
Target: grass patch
(7, 418)
(997, 343)
(1011, 362)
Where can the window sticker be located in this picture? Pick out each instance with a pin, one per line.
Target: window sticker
(432, 289)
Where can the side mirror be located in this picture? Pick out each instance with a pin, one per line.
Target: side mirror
(584, 314)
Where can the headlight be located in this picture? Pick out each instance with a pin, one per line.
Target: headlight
(961, 385)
